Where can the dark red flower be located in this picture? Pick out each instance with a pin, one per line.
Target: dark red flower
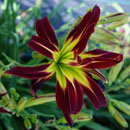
(74, 68)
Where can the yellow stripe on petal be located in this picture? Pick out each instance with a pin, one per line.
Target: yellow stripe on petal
(69, 55)
(60, 77)
(66, 72)
(66, 44)
(76, 73)
(83, 55)
(69, 45)
(56, 56)
(52, 68)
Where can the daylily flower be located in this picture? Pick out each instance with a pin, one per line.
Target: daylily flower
(2, 110)
(74, 68)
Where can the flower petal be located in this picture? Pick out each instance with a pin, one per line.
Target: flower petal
(3, 94)
(92, 97)
(94, 93)
(36, 84)
(100, 84)
(42, 46)
(2, 110)
(82, 43)
(69, 94)
(79, 100)
(100, 59)
(75, 96)
(97, 73)
(77, 40)
(45, 31)
(62, 103)
(30, 72)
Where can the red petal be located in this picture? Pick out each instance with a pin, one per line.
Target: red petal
(79, 97)
(99, 53)
(29, 72)
(86, 28)
(96, 73)
(36, 84)
(45, 31)
(70, 99)
(81, 45)
(75, 97)
(2, 110)
(3, 94)
(101, 59)
(42, 46)
(94, 100)
(62, 103)
(100, 84)
(94, 93)
(73, 63)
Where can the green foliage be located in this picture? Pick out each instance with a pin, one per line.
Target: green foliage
(80, 117)
(118, 117)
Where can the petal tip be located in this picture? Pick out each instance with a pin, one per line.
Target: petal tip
(71, 123)
(120, 57)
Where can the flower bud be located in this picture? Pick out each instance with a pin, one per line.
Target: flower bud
(118, 117)
(4, 102)
(113, 18)
(12, 91)
(21, 104)
(33, 118)
(122, 106)
(27, 123)
(16, 96)
(12, 104)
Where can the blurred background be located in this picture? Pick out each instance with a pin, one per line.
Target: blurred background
(17, 25)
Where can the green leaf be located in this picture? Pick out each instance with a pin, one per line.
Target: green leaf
(14, 48)
(94, 126)
(39, 100)
(63, 28)
(26, 19)
(105, 32)
(114, 25)
(125, 73)
(9, 59)
(113, 73)
(105, 36)
(59, 127)
(112, 18)
(25, 102)
(55, 10)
